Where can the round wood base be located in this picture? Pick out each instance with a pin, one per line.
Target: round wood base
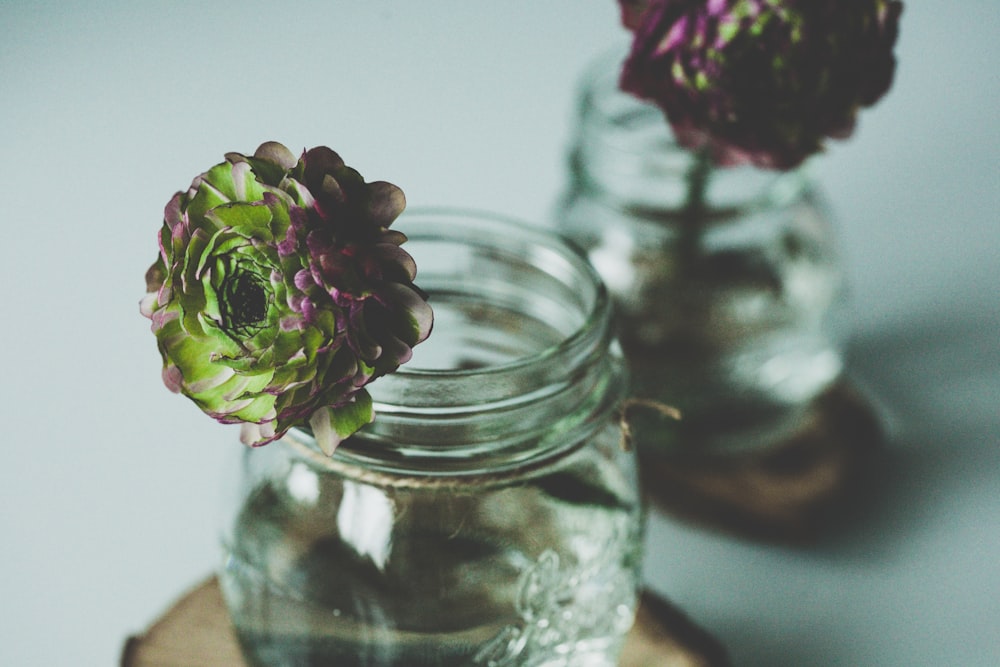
(790, 491)
(196, 632)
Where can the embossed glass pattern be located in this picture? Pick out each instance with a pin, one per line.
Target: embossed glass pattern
(489, 516)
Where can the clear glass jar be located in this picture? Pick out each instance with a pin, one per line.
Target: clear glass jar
(723, 303)
(489, 516)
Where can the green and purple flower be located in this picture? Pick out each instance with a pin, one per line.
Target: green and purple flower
(760, 81)
(280, 292)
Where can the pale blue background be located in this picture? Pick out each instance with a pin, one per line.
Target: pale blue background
(110, 486)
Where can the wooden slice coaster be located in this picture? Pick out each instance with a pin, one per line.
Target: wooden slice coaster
(789, 492)
(195, 632)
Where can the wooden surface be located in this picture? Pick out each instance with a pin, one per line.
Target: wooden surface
(195, 632)
(789, 492)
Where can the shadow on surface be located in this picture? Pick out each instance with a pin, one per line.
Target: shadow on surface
(752, 647)
(936, 386)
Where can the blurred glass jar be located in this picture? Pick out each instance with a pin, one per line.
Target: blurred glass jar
(724, 279)
(489, 516)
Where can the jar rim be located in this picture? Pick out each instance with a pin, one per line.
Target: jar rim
(414, 224)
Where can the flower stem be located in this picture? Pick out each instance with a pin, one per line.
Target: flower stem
(695, 206)
(697, 178)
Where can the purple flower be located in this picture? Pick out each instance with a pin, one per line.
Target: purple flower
(760, 81)
(280, 292)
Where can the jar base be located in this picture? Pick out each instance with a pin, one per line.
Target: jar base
(792, 490)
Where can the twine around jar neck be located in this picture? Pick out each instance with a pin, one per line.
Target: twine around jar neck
(399, 480)
(303, 447)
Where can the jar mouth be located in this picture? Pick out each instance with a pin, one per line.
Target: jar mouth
(519, 350)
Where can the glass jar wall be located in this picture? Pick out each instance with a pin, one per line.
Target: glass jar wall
(489, 516)
(724, 279)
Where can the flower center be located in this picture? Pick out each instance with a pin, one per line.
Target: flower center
(244, 303)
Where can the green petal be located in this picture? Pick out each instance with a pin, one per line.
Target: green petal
(236, 181)
(194, 356)
(271, 162)
(206, 198)
(332, 425)
(257, 410)
(247, 218)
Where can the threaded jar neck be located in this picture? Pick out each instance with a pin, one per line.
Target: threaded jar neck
(625, 153)
(519, 365)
